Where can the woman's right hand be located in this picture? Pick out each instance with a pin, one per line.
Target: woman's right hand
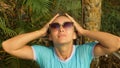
(46, 27)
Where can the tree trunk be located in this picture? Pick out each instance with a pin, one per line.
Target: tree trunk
(92, 20)
(91, 15)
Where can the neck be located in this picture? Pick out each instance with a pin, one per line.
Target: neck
(64, 51)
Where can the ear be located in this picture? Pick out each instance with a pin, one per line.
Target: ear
(74, 35)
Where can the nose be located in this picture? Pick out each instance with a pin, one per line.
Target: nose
(61, 29)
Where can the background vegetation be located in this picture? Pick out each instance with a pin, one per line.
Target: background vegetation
(111, 16)
(110, 23)
(21, 16)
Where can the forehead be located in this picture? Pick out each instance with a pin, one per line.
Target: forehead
(61, 19)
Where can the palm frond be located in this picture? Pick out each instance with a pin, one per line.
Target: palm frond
(68, 6)
(39, 7)
(6, 30)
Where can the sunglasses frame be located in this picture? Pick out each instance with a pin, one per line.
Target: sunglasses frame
(57, 26)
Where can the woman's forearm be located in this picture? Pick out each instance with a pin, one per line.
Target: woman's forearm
(19, 41)
(106, 39)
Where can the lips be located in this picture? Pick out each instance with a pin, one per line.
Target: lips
(61, 35)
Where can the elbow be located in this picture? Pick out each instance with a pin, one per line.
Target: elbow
(5, 46)
(119, 43)
(116, 46)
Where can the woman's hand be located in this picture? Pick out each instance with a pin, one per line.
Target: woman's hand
(79, 29)
(46, 27)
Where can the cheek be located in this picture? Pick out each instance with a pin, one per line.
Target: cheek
(70, 34)
(53, 35)
(70, 31)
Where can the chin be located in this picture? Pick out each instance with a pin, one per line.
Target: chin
(63, 42)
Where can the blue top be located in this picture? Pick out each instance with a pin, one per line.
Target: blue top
(81, 56)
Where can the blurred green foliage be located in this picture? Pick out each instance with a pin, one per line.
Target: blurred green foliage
(111, 16)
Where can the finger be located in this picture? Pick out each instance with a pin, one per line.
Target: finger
(70, 17)
(54, 18)
(47, 25)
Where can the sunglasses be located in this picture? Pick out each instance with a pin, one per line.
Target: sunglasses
(56, 26)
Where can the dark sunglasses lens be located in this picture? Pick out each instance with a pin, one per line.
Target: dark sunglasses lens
(67, 24)
(54, 25)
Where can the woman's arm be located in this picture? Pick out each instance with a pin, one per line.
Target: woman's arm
(17, 45)
(108, 43)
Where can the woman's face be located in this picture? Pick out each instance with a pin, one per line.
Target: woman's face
(62, 30)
